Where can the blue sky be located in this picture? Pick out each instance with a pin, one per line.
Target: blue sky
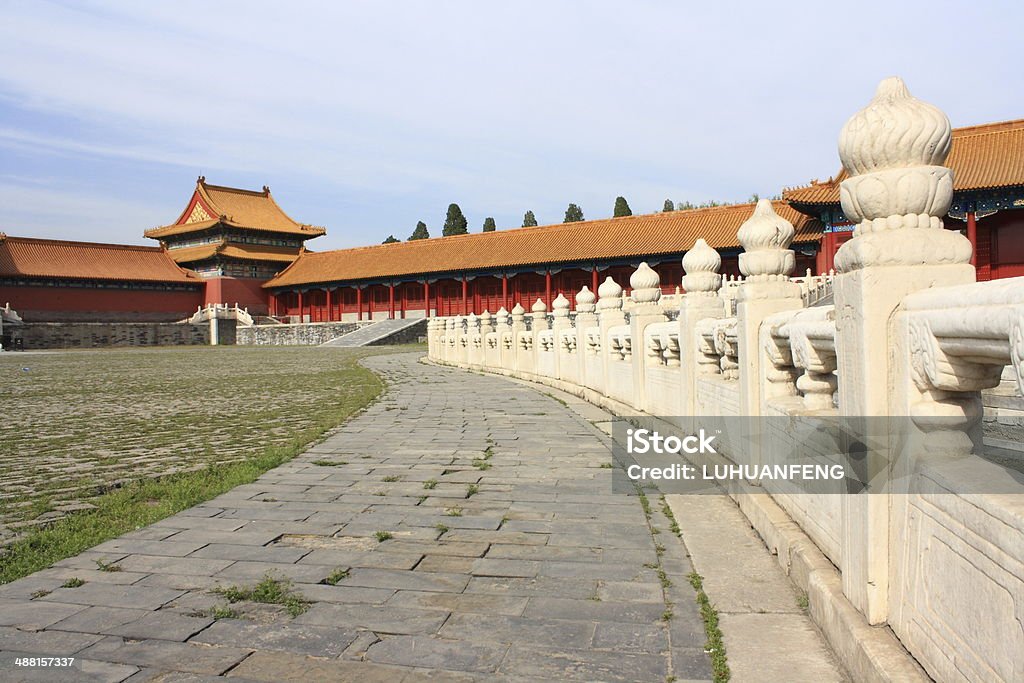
(368, 116)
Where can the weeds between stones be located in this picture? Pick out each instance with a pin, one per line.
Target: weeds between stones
(455, 511)
(73, 583)
(382, 536)
(392, 478)
(270, 590)
(334, 577)
(105, 566)
(472, 490)
(430, 484)
(715, 647)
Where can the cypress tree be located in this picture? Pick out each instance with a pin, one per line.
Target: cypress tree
(489, 225)
(621, 208)
(420, 233)
(669, 206)
(573, 214)
(391, 239)
(529, 220)
(455, 223)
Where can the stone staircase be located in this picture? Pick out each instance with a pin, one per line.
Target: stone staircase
(382, 332)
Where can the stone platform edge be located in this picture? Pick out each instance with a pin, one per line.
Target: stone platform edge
(868, 653)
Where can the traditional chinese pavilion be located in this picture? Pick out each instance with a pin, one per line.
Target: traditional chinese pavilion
(471, 273)
(988, 199)
(235, 240)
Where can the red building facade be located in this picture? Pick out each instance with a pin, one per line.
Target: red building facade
(63, 281)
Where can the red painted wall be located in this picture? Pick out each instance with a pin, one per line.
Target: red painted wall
(246, 292)
(83, 304)
(1006, 230)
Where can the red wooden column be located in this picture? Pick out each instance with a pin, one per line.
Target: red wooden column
(426, 298)
(593, 281)
(300, 306)
(465, 296)
(359, 302)
(401, 302)
(271, 304)
(391, 300)
(972, 235)
(504, 291)
(547, 288)
(330, 308)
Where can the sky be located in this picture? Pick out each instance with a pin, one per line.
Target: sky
(366, 117)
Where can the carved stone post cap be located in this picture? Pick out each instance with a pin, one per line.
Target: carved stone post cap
(646, 284)
(585, 297)
(560, 306)
(518, 309)
(766, 237)
(701, 264)
(609, 289)
(539, 306)
(894, 130)
(502, 313)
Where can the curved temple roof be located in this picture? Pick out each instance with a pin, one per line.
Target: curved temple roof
(983, 157)
(214, 204)
(646, 235)
(39, 258)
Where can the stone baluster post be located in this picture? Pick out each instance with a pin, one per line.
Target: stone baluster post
(609, 315)
(560, 310)
(518, 325)
(897, 192)
(701, 300)
(538, 324)
(501, 328)
(767, 262)
(646, 285)
(585, 317)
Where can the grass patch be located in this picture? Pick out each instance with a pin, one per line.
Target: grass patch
(553, 397)
(337, 575)
(430, 484)
(455, 511)
(328, 463)
(104, 566)
(382, 536)
(606, 466)
(73, 583)
(223, 612)
(40, 593)
(442, 528)
(147, 500)
(803, 602)
(715, 647)
(271, 591)
(472, 490)
(392, 478)
(481, 464)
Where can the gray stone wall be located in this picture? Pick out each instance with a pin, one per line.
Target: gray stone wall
(410, 335)
(111, 334)
(305, 334)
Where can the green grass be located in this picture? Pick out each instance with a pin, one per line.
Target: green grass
(442, 528)
(481, 464)
(430, 484)
(455, 511)
(104, 566)
(73, 583)
(392, 477)
(337, 575)
(271, 591)
(328, 463)
(382, 536)
(222, 612)
(472, 490)
(147, 500)
(714, 646)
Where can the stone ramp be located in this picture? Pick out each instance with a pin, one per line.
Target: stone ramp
(468, 527)
(378, 332)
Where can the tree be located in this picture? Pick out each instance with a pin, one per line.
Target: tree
(489, 225)
(621, 208)
(391, 239)
(754, 198)
(669, 206)
(573, 214)
(529, 220)
(420, 233)
(455, 223)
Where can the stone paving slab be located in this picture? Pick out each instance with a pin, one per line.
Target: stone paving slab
(518, 564)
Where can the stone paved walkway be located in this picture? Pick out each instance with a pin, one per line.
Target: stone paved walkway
(518, 564)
